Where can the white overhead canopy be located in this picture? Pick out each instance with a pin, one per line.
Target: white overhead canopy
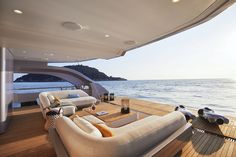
(95, 28)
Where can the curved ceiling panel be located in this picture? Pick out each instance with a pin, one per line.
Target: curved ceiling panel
(66, 31)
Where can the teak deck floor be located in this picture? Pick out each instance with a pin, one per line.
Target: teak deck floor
(26, 137)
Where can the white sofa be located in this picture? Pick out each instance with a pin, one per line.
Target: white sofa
(66, 110)
(135, 139)
(83, 100)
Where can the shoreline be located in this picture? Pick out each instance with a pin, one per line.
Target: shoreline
(219, 95)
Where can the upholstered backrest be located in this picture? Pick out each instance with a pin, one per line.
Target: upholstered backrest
(64, 93)
(132, 142)
(43, 97)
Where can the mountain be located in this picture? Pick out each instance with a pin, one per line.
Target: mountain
(90, 72)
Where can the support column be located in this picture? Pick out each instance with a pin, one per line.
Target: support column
(6, 87)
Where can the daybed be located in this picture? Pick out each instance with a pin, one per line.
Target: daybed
(145, 137)
(70, 99)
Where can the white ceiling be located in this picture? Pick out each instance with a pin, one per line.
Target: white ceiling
(38, 34)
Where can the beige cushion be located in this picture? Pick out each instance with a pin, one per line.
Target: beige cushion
(51, 98)
(87, 127)
(81, 100)
(92, 119)
(66, 110)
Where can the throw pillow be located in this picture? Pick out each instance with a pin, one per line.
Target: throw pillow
(56, 99)
(56, 102)
(87, 127)
(73, 96)
(104, 130)
(51, 98)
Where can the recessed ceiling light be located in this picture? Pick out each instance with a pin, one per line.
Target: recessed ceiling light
(72, 26)
(18, 11)
(175, 1)
(107, 35)
(130, 42)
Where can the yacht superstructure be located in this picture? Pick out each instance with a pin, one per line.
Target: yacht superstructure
(34, 33)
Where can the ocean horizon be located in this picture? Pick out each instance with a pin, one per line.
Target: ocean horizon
(218, 94)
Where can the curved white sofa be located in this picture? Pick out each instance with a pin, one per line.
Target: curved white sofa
(133, 139)
(83, 100)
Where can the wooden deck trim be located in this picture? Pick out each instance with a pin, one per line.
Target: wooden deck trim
(176, 141)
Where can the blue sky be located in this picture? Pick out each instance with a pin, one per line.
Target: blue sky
(206, 51)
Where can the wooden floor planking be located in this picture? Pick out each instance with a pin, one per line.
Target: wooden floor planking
(211, 148)
(206, 145)
(188, 151)
(234, 150)
(218, 145)
(187, 147)
(26, 137)
(203, 148)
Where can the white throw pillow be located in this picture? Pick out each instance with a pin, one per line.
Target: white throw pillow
(92, 119)
(51, 98)
(87, 127)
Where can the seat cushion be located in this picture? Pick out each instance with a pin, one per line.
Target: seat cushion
(66, 110)
(81, 100)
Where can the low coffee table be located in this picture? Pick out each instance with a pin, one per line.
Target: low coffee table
(114, 118)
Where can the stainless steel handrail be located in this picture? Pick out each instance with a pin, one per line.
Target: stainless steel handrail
(35, 88)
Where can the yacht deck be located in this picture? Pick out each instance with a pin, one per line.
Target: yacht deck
(26, 137)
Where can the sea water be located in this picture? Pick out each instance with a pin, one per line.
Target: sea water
(218, 94)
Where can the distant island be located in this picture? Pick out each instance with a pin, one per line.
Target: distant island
(90, 72)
